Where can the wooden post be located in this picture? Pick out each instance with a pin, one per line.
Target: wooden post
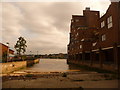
(101, 57)
(92, 57)
(83, 57)
(118, 63)
(115, 52)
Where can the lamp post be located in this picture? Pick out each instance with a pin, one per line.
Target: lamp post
(8, 52)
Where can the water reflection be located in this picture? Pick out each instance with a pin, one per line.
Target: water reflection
(53, 65)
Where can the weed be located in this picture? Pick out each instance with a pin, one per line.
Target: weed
(29, 75)
(64, 75)
(78, 80)
(108, 79)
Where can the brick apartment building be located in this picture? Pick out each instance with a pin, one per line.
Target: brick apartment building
(4, 51)
(95, 40)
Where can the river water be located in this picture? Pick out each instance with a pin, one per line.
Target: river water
(53, 65)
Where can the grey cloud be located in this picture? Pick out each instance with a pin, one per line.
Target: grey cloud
(45, 25)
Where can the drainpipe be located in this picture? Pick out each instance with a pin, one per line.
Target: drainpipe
(7, 52)
(118, 21)
(119, 43)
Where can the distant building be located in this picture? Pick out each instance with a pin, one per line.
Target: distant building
(4, 51)
(55, 56)
(95, 41)
(62, 56)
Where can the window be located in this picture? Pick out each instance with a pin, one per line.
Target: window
(72, 20)
(109, 22)
(72, 26)
(82, 40)
(94, 43)
(103, 37)
(77, 20)
(73, 30)
(80, 46)
(77, 34)
(78, 28)
(85, 27)
(102, 24)
(82, 28)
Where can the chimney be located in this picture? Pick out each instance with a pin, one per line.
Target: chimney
(87, 8)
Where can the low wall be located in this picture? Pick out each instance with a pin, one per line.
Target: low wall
(32, 62)
(36, 61)
(13, 66)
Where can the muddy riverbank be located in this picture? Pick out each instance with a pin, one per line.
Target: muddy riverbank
(59, 80)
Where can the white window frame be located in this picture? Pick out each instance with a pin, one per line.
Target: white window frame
(102, 24)
(109, 22)
(77, 20)
(80, 46)
(82, 40)
(93, 44)
(77, 34)
(103, 37)
(78, 28)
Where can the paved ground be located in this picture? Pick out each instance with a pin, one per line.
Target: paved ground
(60, 80)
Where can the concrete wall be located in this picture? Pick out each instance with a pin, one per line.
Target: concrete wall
(32, 62)
(29, 63)
(12, 66)
(36, 61)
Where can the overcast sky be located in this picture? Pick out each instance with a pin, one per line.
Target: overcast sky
(44, 25)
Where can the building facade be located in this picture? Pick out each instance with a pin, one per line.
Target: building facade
(4, 51)
(95, 40)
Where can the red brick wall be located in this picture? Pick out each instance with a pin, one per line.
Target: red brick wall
(113, 33)
(91, 17)
(4, 48)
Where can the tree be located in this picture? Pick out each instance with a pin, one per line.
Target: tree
(20, 46)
